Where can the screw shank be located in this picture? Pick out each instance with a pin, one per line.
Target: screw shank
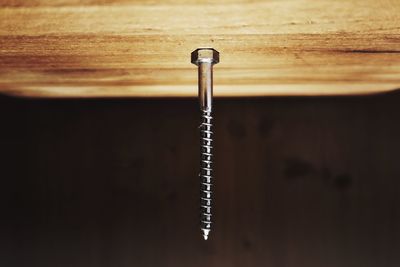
(205, 85)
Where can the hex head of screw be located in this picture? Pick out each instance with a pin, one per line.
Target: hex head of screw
(205, 55)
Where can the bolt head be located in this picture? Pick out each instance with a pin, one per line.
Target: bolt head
(205, 55)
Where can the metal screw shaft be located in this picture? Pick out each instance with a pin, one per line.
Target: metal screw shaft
(205, 173)
(205, 58)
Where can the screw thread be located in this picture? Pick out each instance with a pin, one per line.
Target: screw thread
(205, 172)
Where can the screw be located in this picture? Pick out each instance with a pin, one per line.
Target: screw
(205, 58)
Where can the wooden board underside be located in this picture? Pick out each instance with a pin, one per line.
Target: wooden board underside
(142, 49)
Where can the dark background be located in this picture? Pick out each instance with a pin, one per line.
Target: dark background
(298, 182)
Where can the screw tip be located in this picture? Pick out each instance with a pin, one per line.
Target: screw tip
(205, 233)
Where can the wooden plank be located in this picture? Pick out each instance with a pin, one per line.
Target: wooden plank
(117, 48)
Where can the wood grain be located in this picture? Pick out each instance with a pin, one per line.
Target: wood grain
(122, 48)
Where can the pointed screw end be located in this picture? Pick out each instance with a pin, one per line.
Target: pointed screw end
(205, 233)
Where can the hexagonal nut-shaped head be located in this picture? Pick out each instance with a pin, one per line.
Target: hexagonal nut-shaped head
(205, 55)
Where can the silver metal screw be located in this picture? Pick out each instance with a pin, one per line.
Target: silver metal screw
(205, 58)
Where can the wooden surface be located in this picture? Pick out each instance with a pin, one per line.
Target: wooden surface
(299, 182)
(120, 48)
